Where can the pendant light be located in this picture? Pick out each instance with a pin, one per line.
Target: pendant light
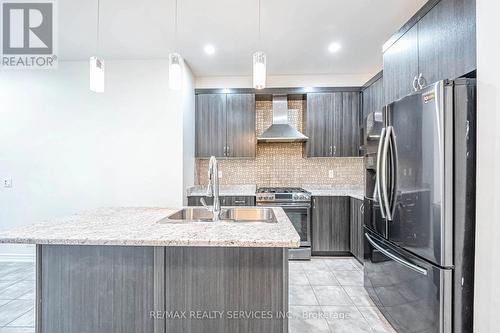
(96, 64)
(175, 62)
(259, 63)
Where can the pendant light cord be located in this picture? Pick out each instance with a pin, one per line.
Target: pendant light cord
(98, 25)
(258, 9)
(175, 27)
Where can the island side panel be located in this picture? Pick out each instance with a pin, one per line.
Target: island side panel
(97, 289)
(228, 280)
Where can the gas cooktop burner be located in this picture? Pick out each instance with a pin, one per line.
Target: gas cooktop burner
(282, 194)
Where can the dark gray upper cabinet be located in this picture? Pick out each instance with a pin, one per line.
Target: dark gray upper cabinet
(332, 127)
(318, 120)
(373, 98)
(447, 41)
(401, 66)
(225, 125)
(350, 124)
(241, 141)
(210, 125)
(330, 225)
(441, 45)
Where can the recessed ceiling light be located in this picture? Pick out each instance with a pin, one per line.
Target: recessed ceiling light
(209, 49)
(334, 47)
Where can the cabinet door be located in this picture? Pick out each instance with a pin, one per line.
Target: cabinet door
(330, 225)
(356, 224)
(241, 140)
(318, 119)
(354, 233)
(447, 40)
(350, 124)
(210, 125)
(337, 125)
(360, 224)
(321, 224)
(401, 66)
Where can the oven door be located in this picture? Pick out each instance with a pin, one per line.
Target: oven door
(300, 216)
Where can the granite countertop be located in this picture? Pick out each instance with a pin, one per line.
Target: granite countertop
(327, 190)
(140, 227)
(224, 190)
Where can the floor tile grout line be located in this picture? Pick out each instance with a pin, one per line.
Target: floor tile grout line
(7, 325)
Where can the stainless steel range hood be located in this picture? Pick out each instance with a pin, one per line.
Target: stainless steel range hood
(280, 130)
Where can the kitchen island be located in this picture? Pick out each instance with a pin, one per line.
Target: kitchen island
(123, 270)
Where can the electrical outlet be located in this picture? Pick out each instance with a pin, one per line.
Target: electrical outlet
(220, 174)
(7, 182)
(331, 174)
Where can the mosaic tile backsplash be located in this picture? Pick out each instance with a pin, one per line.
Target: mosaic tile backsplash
(282, 164)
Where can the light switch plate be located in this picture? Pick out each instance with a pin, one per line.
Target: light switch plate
(331, 174)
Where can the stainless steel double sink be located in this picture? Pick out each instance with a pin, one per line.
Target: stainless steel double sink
(234, 214)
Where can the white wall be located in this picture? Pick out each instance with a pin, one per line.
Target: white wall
(487, 275)
(68, 149)
(283, 81)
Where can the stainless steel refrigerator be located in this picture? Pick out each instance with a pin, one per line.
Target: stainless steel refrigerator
(419, 220)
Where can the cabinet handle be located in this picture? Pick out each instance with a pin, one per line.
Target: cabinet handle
(361, 208)
(227, 151)
(331, 151)
(421, 81)
(415, 83)
(239, 201)
(314, 202)
(335, 150)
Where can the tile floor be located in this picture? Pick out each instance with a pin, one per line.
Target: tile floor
(326, 295)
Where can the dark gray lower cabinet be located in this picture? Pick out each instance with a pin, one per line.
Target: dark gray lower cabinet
(330, 225)
(129, 289)
(224, 201)
(356, 222)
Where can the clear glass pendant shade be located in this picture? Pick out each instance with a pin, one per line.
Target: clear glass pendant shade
(175, 71)
(259, 70)
(96, 66)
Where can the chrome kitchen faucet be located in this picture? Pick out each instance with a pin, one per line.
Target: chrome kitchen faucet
(213, 189)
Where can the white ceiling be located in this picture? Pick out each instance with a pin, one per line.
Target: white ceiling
(295, 33)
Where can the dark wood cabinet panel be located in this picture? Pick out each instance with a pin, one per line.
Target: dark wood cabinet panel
(318, 121)
(373, 98)
(337, 129)
(330, 225)
(224, 200)
(356, 228)
(241, 140)
(401, 66)
(350, 124)
(332, 127)
(210, 125)
(447, 41)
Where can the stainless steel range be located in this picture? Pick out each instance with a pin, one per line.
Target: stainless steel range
(296, 202)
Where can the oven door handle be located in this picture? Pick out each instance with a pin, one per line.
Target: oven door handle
(396, 258)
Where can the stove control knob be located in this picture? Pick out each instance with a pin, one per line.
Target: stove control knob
(295, 197)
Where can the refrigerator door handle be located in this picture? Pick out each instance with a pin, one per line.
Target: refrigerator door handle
(383, 173)
(396, 258)
(394, 173)
(378, 189)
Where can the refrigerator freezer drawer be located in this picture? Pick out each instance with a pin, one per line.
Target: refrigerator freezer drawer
(413, 295)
